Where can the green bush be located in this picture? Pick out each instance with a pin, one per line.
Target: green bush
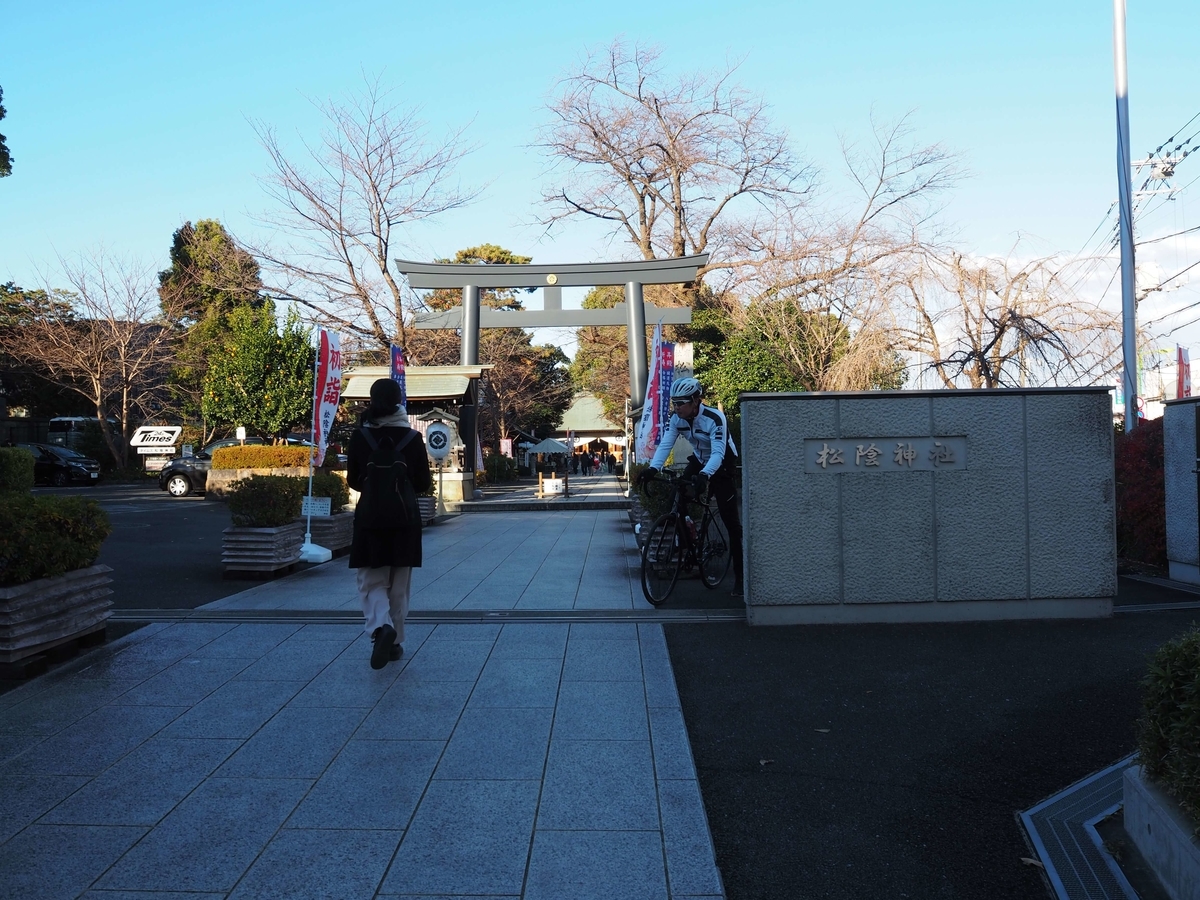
(266, 501)
(16, 470)
(1169, 732)
(260, 456)
(332, 486)
(500, 468)
(41, 537)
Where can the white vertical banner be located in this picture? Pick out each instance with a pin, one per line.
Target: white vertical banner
(648, 430)
(327, 391)
(1183, 372)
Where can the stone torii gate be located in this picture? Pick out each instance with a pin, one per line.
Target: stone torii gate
(552, 278)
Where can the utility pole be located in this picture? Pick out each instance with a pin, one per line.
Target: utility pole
(1125, 196)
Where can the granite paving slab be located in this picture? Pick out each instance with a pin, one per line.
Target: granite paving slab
(203, 760)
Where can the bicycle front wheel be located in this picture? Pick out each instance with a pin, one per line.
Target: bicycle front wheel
(662, 556)
(715, 558)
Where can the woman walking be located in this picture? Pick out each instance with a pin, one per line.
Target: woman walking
(386, 462)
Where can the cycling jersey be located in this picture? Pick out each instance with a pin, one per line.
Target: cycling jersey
(708, 433)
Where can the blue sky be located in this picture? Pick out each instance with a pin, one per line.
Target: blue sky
(127, 118)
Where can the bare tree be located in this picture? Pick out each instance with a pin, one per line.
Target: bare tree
(825, 294)
(375, 171)
(676, 166)
(103, 340)
(988, 323)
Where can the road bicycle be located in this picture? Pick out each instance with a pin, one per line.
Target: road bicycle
(690, 536)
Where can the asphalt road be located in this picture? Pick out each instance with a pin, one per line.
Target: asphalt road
(165, 553)
(891, 760)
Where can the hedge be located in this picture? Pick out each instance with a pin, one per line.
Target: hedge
(1141, 497)
(266, 501)
(42, 537)
(260, 456)
(1169, 732)
(16, 470)
(331, 486)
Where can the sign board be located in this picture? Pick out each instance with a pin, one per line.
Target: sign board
(155, 436)
(314, 506)
(165, 452)
(437, 439)
(506, 447)
(156, 463)
(188, 450)
(552, 486)
(240, 434)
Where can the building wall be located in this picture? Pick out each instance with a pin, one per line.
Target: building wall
(1019, 524)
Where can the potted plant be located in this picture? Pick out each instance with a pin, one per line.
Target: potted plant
(1162, 793)
(266, 533)
(52, 594)
(336, 530)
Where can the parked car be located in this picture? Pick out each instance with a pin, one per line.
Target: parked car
(61, 466)
(185, 474)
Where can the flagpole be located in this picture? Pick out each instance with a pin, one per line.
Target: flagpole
(312, 438)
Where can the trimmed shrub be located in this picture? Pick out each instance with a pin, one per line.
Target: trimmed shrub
(1141, 496)
(1169, 732)
(16, 470)
(260, 456)
(42, 537)
(266, 501)
(332, 486)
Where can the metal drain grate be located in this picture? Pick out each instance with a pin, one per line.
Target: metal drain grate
(1062, 829)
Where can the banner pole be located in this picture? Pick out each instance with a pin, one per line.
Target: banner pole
(312, 438)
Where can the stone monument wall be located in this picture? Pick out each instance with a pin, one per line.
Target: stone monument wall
(916, 506)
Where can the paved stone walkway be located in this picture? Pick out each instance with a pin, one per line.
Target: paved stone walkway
(212, 760)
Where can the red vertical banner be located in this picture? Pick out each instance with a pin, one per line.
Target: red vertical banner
(327, 391)
(1183, 372)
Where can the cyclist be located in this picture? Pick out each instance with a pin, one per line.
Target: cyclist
(712, 465)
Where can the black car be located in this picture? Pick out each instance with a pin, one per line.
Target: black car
(185, 474)
(61, 466)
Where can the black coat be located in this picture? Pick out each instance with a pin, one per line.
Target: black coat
(375, 548)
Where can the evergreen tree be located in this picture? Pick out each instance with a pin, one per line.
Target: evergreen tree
(210, 276)
(262, 376)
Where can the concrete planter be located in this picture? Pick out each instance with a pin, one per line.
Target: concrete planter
(50, 612)
(261, 551)
(428, 506)
(219, 480)
(333, 532)
(1163, 834)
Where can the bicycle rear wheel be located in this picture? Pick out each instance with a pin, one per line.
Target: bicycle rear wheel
(662, 556)
(715, 559)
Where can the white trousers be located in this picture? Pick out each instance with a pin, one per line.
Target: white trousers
(384, 595)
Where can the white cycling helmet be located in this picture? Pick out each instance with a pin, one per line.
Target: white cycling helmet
(686, 389)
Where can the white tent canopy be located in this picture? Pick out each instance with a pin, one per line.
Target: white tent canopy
(549, 445)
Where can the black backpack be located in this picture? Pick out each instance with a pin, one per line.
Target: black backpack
(388, 501)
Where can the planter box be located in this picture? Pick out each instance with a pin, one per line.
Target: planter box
(39, 615)
(219, 480)
(428, 506)
(333, 532)
(263, 551)
(1163, 834)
